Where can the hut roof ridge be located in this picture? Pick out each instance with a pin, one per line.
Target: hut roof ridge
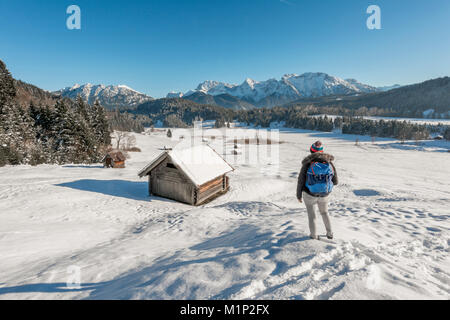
(200, 163)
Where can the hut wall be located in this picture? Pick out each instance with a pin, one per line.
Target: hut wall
(169, 183)
(210, 189)
(119, 164)
(108, 163)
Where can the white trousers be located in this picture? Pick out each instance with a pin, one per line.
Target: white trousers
(322, 203)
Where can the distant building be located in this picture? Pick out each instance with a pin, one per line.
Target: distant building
(114, 159)
(192, 175)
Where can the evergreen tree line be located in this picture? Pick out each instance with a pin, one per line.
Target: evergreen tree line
(181, 114)
(447, 133)
(401, 130)
(63, 133)
(221, 123)
(293, 117)
(128, 122)
(307, 118)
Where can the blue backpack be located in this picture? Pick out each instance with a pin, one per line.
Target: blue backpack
(319, 178)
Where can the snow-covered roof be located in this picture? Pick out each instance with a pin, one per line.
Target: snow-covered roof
(199, 163)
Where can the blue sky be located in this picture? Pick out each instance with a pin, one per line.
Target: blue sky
(156, 46)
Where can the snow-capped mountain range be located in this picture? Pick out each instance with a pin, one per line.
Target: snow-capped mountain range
(110, 97)
(289, 88)
(250, 93)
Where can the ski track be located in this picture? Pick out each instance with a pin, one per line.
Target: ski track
(392, 235)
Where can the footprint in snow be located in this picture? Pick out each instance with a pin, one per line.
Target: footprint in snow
(366, 193)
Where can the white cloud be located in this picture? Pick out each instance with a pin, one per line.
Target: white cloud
(287, 2)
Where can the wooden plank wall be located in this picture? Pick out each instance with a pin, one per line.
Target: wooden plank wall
(209, 189)
(170, 183)
(119, 164)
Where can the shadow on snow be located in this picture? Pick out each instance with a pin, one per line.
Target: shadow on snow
(245, 239)
(80, 166)
(117, 188)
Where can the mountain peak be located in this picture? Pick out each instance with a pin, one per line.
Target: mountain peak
(290, 87)
(289, 75)
(123, 86)
(112, 96)
(250, 82)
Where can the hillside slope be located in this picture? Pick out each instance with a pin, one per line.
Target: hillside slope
(223, 100)
(391, 230)
(182, 109)
(27, 93)
(412, 100)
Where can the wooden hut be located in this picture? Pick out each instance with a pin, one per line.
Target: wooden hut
(114, 159)
(191, 175)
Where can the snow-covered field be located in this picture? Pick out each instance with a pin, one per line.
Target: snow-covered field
(414, 120)
(390, 215)
(426, 121)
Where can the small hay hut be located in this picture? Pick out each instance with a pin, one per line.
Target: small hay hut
(191, 175)
(114, 159)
